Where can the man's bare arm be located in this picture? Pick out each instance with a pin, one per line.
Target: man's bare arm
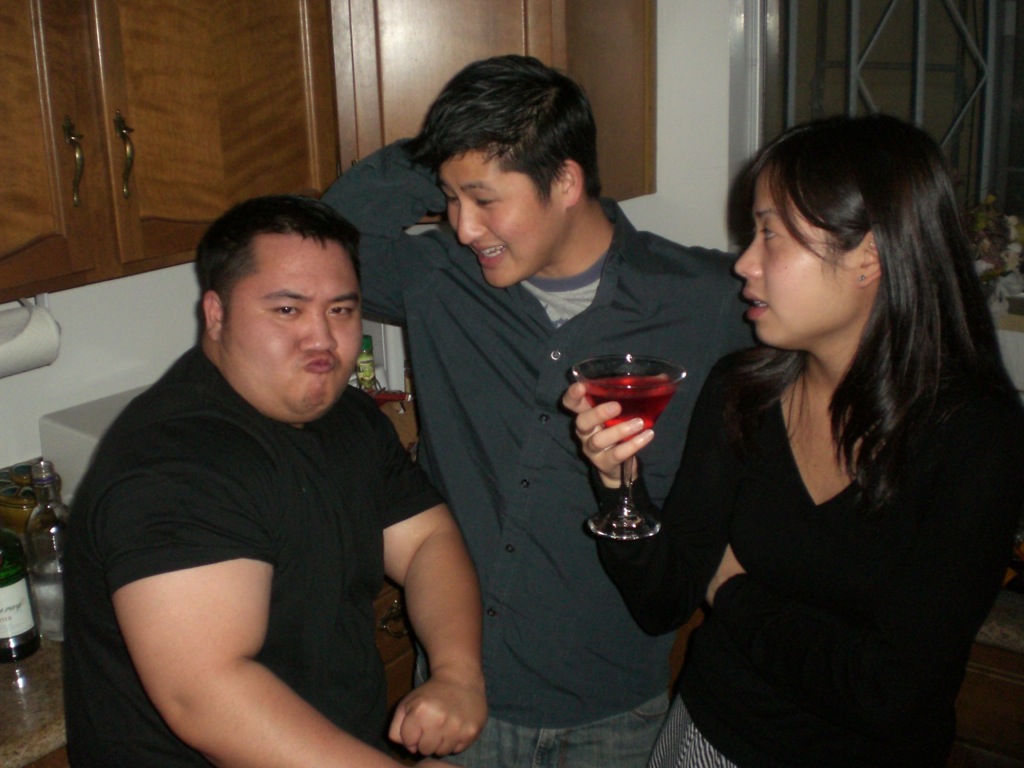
(193, 636)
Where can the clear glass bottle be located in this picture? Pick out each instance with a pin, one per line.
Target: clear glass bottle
(19, 637)
(45, 532)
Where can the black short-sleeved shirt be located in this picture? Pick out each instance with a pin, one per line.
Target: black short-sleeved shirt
(190, 474)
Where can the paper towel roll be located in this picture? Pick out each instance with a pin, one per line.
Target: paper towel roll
(29, 338)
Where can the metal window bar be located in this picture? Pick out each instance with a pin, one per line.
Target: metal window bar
(858, 53)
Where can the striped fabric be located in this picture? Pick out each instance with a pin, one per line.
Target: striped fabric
(681, 745)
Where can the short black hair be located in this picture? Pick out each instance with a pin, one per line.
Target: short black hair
(527, 115)
(225, 253)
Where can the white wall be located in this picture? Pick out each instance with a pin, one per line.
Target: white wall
(693, 125)
(124, 333)
(114, 336)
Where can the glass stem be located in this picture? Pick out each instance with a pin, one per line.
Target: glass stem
(626, 497)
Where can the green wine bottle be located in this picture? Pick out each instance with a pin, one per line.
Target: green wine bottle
(19, 637)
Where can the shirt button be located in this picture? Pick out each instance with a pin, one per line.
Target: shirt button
(510, 548)
(543, 418)
(556, 355)
(524, 483)
(491, 612)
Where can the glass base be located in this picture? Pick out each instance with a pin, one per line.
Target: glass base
(623, 527)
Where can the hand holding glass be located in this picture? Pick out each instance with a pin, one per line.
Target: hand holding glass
(642, 386)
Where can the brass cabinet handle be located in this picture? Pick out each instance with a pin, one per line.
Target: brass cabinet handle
(391, 622)
(123, 130)
(72, 139)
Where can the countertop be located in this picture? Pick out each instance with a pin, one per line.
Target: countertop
(31, 706)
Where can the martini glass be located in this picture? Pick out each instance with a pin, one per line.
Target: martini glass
(642, 386)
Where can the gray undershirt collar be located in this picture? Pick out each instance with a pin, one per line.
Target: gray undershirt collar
(565, 297)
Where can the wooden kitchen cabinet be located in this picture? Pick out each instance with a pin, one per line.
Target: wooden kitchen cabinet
(990, 711)
(392, 57)
(394, 642)
(181, 108)
(45, 76)
(56, 759)
(223, 101)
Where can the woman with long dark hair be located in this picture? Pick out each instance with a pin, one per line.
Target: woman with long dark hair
(846, 503)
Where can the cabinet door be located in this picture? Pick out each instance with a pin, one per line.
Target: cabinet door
(392, 57)
(207, 104)
(610, 52)
(46, 238)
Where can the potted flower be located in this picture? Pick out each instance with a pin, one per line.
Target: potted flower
(998, 240)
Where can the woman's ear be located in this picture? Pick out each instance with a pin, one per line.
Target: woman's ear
(867, 265)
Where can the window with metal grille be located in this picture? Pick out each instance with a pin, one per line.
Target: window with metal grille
(954, 67)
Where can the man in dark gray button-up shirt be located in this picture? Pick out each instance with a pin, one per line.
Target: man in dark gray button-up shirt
(535, 272)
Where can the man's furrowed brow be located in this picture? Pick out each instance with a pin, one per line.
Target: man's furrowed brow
(285, 293)
(290, 295)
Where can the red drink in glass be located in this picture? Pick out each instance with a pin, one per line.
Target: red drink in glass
(642, 386)
(642, 397)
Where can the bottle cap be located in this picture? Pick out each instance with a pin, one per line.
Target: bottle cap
(367, 343)
(42, 472)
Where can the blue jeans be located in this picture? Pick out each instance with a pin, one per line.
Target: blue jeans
(620, 741)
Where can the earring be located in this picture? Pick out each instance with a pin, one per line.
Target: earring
(862, 278)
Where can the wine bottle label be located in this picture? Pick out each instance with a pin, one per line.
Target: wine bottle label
(15, 610)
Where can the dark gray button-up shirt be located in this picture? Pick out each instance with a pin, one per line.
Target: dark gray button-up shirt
(560, 648)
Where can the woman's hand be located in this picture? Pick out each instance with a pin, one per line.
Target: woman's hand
(605, 448)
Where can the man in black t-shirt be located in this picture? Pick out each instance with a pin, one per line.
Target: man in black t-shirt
(237, 522)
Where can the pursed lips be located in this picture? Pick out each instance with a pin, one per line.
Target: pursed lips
(321, 364)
